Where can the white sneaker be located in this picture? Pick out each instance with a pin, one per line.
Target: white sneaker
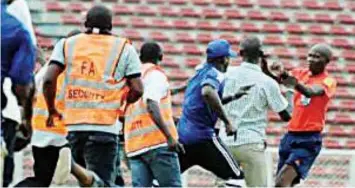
(235, 183)
(63, 169)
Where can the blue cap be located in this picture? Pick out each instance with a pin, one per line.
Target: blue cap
(220, 48)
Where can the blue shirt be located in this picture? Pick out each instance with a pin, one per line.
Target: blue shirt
(18, 54)
(198, 120)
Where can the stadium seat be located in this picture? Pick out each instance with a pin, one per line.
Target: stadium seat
(343, 93)
(122, 10)
(316, 40)
(204, 38)
(256, 15)
(351, 5)
(169, 62)
(205, 25)
(342, 118)
(132, 1)
(201, 2)
(331, 144)
(132, 34)
(274, 130)
(182, 24)
(323, 18)
(273, 117)
(348, 105)
(318, 171)
(337, 131)
(155, 1)
(189, 12)
(303, 17)
(282, 52)
(227, 26)
(332, 67)
(267, 4)
(184, 37)
(77, 7)
(317, 29)
(178, 75)
(144, 10)
(138, 22)
(170, 49)
(278, 16)
(70, 20)
(192, 49)
(348, 54)
(168, 11)
(161, 23)
(224, 3)
(231, 38)
(341, 43)
(345, 19)
(271, 28)
(243, 3)
(158, 36)
(45, 42)
(296, 41)
(118, 22)
(338, 30)
(302, 53)
(273, 141)
(290, 4)
(332, 5)
(54, 6)
(211, 13)
(249, 27)
(311, 4)
(177, 2)
(294, 29)
(233, 14)
(341, 80)
(192, 62)
(273, 40)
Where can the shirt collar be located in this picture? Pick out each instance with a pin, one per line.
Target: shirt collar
(324, 73)
(251, 66)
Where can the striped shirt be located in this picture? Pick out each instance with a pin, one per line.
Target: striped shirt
(249, 113)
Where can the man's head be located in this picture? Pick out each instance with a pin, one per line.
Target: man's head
(250, 49)
(151, 52)
(318, 58)
(219, 53)
(99, 17)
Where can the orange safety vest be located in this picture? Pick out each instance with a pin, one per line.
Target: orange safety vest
(141, 133)
(92, 94)
(40, 112)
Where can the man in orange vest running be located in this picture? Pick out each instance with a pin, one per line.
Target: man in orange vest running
(97, 67)
(150, 133)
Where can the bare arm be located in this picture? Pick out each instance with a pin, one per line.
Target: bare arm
(24, 95)
(178, 89)
(50, 85)
(154, 110)
(310, 91)
(211, 97)
(136, 89)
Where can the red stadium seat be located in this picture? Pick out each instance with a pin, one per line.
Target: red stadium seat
(272, 130)
(45, 42)
(273, 40)
(182, 24)
(267, 4)
(337, 131)
(243, 3)
(331, 144)
(318, 171)
(348, 105)
(345, 19)
(169, 62)
(192, 62)
(177, 2)
(161, 23)
(351, 5)
(311, 4)
(342, 118)
(350, 68)
(155, 2)
(348, 54)
(144, 10)
(170, 49)
(70, 20)
(289, 4)
(224, 3)
(189, 12)
(54, 6)
(132, 1)
(256, 15)
(192, 49)
(249, 27)
(294, 28)
(334, 68)
(302, 53)
(231, 38)
(233, 14)
(201, 2)
(316, 40)
(323, 18)
(227, 26)
(118, 22)
(168, 11)
(138, 22)
(303, 17)
(296, 41)
(76, 7)
(132, 34)
(178, 74)
(316, 29)
(184, 37)
(341, 43)
(278, 16)
(343, 93)
(204, 38)
(211, 13)
(122, 10)
(338, 30)
(271, 28)
(341, 80)
(282, 53)
(332, 5)
(158, 36)
(273, 141)
(205, 25)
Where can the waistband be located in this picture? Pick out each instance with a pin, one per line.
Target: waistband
(304, 133)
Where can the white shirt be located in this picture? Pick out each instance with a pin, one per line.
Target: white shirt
(45, 138)
(249, 113)
(156, 86)
(129, 64)
(20, 10)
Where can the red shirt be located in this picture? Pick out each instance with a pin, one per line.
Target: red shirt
(309, 114)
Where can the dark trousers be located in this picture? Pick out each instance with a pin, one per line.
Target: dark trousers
(8, 129)
(213, 156)
(97, 151)
(45, 162)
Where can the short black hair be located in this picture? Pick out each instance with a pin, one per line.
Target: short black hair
(99, 17)
(151, 52)
(250, 47)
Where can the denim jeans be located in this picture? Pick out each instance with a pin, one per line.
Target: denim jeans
(8, 129)
(160, 164)
(97, 151)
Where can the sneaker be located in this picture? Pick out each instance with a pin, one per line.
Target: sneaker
(63, 169)
(235, 183)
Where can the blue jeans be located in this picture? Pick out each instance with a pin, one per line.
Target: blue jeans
(97, 151)
(160, 164)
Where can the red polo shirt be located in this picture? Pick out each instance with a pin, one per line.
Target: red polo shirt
(309, 114)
